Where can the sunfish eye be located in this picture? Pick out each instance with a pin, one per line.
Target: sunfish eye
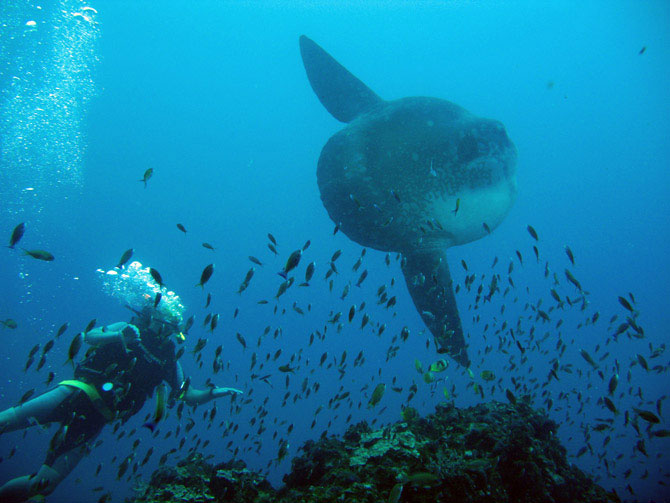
(468, 149)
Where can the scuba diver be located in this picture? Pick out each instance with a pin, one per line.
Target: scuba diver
(125, 363)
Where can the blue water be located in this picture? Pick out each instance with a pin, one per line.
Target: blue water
(213, 96)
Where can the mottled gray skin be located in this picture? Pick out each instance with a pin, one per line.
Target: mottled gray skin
(415, 176)
(391, 149)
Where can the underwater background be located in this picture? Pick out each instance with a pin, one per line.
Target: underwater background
(213, 97)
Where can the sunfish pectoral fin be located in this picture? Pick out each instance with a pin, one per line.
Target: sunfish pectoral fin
(429, 283)
(343, 95)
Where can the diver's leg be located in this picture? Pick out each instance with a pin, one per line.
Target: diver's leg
(45, 481)
(41, 408)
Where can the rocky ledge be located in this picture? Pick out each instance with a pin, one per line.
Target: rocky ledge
(489, 453)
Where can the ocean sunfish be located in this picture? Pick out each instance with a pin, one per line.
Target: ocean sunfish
(414, 176)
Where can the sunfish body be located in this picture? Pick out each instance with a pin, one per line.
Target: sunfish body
(415, 176)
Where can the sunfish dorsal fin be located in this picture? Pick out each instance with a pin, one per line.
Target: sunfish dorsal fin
(343, 95)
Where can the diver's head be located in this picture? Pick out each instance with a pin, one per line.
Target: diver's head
(138, 291)
(151, 322)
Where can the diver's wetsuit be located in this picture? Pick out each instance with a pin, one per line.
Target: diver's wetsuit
(134, 369)
(83, 407)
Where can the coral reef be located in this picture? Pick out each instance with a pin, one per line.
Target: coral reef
(485, 454)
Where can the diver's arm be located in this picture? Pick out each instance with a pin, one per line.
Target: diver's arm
(194, 396)
(199, 397)
(116, 332)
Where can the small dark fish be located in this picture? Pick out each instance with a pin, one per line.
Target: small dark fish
(587, 357)
(35, 349)
(309, 272)
(377, 395)
(123, 467)
(9, 323)
(610, 405)
(159, 412)
(283, 450)
(26, 396)
(644, 48)
(147, 174)
(47, 347)
(199, 346)
(621, 329)
(648, 416)
(189, 323)
(532, 232)
(458, 205)
(39, 255)
(362, 277)
(249, 275)
(395, 195)
(75, 346)
(642, 362)
(181, 228)
(125, 258)
(486, 228)
(255, 260)
(90, 325)
(50, 378)
(17, 234)
(214, 322)
(272, 248)
(624, 302)
(291, 263)
(241, 340)
(206, 274)
(272, 239)
(510, 396)
(156, 276)
(352, 312)
(283, 287)
(337, 228)
(208, 246)
(573, 280)
(157, 299)
(209, 299)
(614, 381)
(571, 257)
(306, 245)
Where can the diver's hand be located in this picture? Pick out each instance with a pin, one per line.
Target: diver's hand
(217, 392)
(130, 333)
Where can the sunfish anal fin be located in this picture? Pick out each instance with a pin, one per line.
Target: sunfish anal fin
(429, 282)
